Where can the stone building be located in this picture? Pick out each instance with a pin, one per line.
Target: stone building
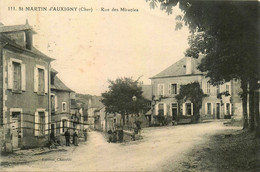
(94, 105)
(61, 117)
(166, 85)
(25, 89)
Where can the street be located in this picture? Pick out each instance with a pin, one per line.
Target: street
(160, 148)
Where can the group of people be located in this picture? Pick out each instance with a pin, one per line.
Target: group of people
(74, 140)
(116, 136)
(54, 141)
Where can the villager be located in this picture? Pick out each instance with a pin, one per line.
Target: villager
(52, 140)
(120, 135)
(173, 119)
(85, 135)
(114, 137)
(67, 137)
(110, 136)
(75, 138)
(52, 137)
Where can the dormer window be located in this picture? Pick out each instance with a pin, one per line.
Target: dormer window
(28, 40)
(52, 79)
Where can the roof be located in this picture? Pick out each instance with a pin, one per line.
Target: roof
(95, 102)
(59, 85)
(6, 41)
(15, 28)
(147, 91)
(179, 69)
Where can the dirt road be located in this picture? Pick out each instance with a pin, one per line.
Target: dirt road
(160, 146)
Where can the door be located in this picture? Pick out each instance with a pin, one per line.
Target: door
(16, 130)
(52, 128)
(218, 111)
(174, 111)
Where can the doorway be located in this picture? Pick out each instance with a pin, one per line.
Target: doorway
(53, 128)
(218, 110)
(174, 111)
(16, 129)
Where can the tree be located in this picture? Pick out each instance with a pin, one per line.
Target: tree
(227, 33)
(194, 93)
(119, 97)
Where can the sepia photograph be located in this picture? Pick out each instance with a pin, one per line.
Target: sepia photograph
(130, 85)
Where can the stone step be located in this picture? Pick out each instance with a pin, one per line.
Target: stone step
(184, 121)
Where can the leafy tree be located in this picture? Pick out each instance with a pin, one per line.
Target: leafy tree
(194, 93)
(119, 97)
(227, 33)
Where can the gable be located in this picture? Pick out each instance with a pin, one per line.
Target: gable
(179, 69)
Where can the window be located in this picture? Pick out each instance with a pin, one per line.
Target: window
(227, 88)
(188, 109)
(217, 89)
(17, 82)
(160, 89)
(208, 110)
(161, 109)
(16, 75)
(41, 80)
(64, 106)
(208, 87)
(52, 103)
(52, 79)
(41, 123)
(64, 125)
(173, 88)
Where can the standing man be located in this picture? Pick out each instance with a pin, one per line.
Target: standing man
(75, 138)
(67, 137)
(85, 134)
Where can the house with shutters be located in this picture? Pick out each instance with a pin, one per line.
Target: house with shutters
(62, 117)
(166, 85)
(25, 88)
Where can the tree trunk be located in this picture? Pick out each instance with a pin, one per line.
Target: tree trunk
(123, 116)
(244, 103)
(251, 108)
(252, 89)
(256, 109)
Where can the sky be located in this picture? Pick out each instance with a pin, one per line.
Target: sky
(92, 47)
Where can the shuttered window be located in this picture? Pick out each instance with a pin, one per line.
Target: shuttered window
(52, 103)
(161, 109)
(41, 123)
(41, 80)
(208, 87)
(173, 88)
(17, 82)
(16, 75)
(160, 89)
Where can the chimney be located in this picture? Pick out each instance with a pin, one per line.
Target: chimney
(189, 65)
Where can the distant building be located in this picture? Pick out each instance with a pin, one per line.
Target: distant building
(61, 117)
(25, 88)
(166, 85)
(94, 105)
